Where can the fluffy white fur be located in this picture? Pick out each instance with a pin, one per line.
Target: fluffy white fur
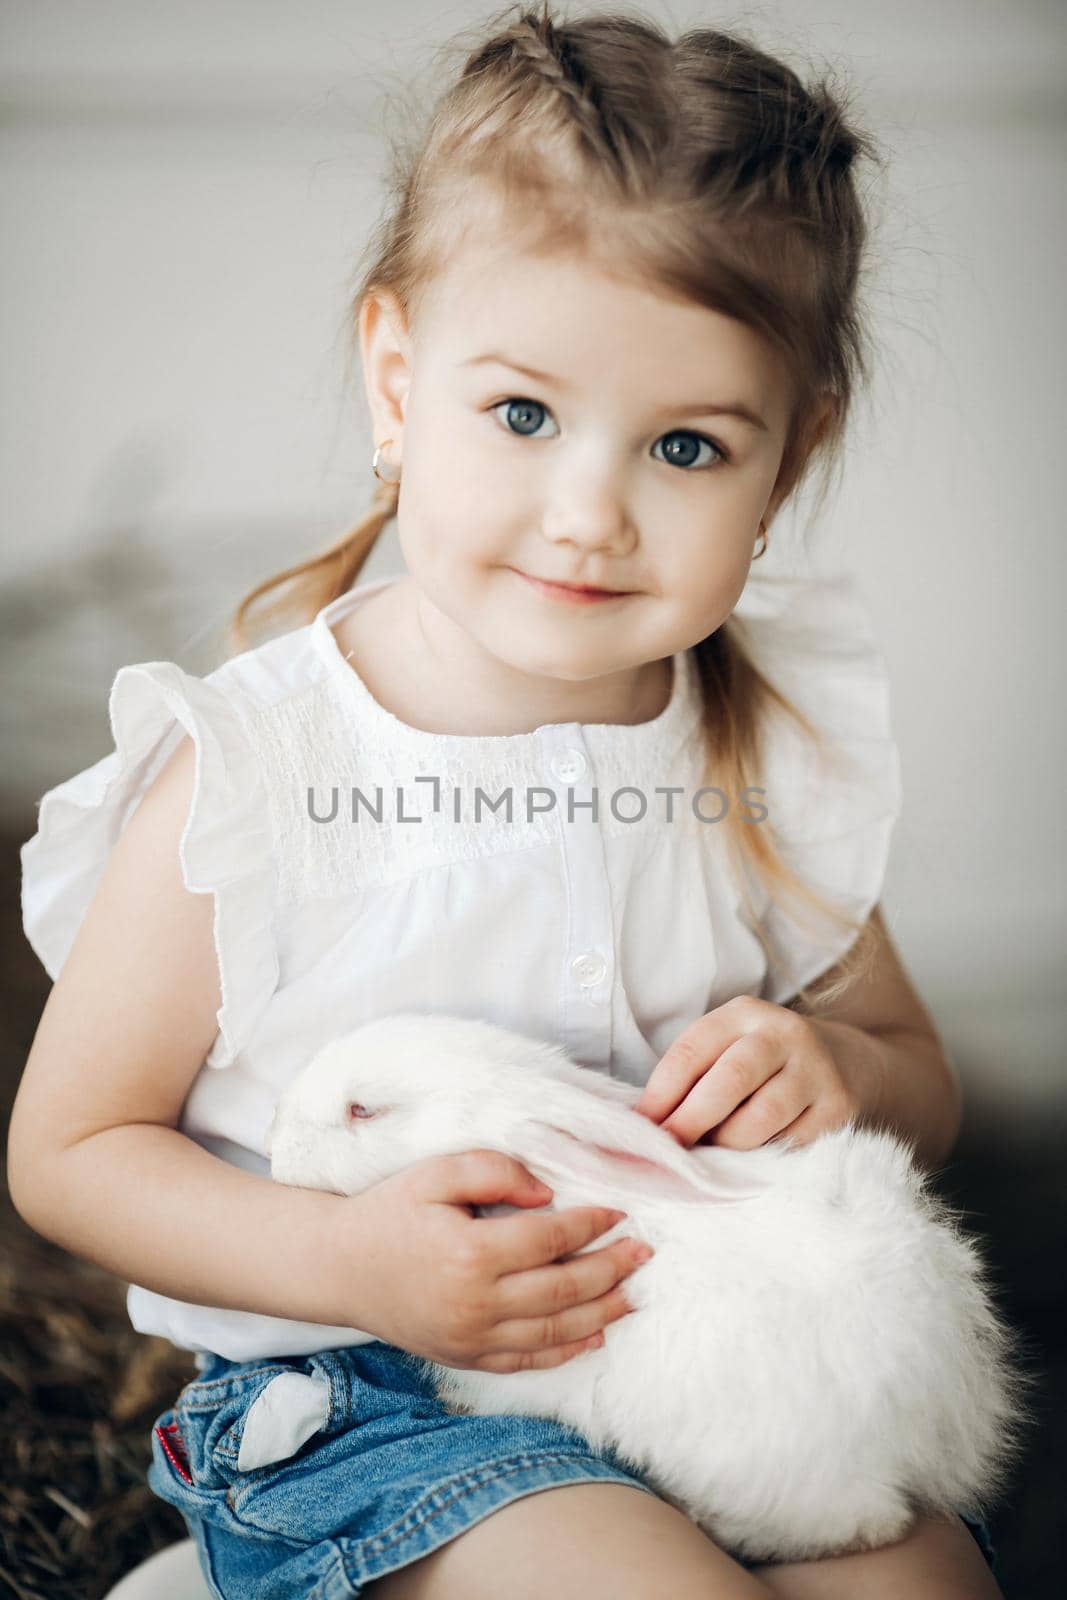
(815, 1355)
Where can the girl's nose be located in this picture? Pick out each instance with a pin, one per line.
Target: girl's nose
(593, 515)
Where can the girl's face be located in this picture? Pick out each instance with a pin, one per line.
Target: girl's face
(637, 452)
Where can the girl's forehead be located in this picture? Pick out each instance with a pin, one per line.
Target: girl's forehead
(489, 267)
(563, 311)
(511, 289)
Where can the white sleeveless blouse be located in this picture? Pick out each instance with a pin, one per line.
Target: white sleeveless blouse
(546, 881)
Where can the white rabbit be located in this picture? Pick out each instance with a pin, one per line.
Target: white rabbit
(814, 1355)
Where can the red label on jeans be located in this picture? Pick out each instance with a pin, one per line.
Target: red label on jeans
(169, 1436)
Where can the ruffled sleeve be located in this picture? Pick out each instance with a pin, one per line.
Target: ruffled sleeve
(225, 848)
(833, 812)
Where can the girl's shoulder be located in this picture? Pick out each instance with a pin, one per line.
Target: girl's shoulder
(249, 720)
(834, 802)
(303, 664)
(813, 638)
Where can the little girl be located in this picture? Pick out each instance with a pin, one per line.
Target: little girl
(579, 771)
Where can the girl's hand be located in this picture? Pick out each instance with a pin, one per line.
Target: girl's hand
(499, 1294)
(751, 1070)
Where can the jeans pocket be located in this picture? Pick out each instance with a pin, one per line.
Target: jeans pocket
(280, 1416)
(276, 1448)
(200, 1437)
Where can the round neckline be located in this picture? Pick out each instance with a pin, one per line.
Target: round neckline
(346, 673)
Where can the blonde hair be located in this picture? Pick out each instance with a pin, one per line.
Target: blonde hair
(704, 168)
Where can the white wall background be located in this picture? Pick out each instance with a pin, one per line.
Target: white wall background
(184, 191)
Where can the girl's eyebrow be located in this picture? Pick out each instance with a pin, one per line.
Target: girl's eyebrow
(701, 408)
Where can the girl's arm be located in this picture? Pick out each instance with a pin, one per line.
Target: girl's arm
(883, 1038)
(95, 1161)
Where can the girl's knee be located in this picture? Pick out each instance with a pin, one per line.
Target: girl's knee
(938, 1560)
(573, 1541)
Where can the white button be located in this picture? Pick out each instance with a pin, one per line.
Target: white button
(589, 968)
(569, 765)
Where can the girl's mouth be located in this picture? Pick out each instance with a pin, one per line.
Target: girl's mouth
(574, 597)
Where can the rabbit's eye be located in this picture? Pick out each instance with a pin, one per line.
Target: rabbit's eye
(356, 1110)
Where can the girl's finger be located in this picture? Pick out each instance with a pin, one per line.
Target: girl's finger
(802, 1130)
(563, 1328)
(698, 1047)
(737, 1074)
(778, 1105)
(537, 1238)
(563, 1285)
(684, 1064)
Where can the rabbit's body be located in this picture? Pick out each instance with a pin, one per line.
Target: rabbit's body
(804, 1385)
(814, 1355)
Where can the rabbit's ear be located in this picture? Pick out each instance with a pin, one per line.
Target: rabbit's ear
(659, 1171)
(553, 1153)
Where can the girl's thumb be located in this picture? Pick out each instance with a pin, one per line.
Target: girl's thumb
(480, 1177)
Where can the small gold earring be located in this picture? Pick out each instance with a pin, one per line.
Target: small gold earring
(763, 532)
(377, 462)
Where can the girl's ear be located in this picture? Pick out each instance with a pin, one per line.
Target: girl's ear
(385, 347)
(597, 1137)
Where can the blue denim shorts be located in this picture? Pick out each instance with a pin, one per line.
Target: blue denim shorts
(369, 1471)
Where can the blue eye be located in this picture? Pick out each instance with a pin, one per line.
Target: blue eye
(523, 418)
(682, 448)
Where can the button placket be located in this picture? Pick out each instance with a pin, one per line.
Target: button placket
(588, 957)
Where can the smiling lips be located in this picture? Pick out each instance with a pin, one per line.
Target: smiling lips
(572, 594)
